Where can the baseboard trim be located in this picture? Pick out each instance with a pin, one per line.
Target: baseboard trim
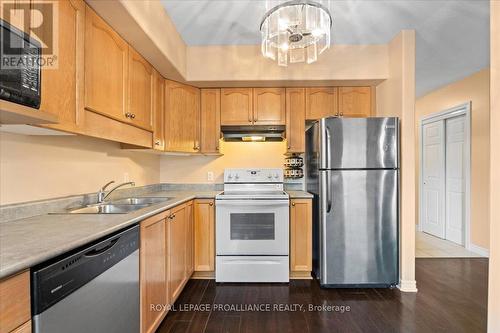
(199, 275)
(479, 250)
(408, 286)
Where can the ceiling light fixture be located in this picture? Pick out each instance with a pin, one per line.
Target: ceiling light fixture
(296, 31)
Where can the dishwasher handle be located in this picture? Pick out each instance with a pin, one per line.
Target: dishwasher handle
(101, 249)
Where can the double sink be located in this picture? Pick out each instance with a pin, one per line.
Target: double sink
(121, 206)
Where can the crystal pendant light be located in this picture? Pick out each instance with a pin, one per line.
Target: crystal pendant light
(295, 31)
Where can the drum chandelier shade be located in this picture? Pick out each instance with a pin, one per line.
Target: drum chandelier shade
(296, 31)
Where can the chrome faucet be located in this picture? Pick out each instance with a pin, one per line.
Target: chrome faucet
(101, 195)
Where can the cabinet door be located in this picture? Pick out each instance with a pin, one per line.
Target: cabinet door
(64, 100)
(106, 68)
(355, 101)
(182, 118)
(140, 93)
(301, 235)
(159, 111)
(236, 105)
(153, 270)
(269, 106)
(14, 301)
(210, 120)
(189, 220)
(177, 251)
(321, 102)
(295, 119)
(204, 235)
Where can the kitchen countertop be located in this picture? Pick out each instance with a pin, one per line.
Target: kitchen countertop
(27, 242)
(299, 195)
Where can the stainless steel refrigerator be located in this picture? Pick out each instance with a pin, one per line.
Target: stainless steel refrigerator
(352, 169)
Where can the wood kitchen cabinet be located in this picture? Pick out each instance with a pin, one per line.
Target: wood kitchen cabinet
(189, 220)
(204, 235)
(158, 112)
(15, 311)
(210, 120)
(140, 90)
(269, 106)
(182, 118)
(321, 102)
(295, 119)
(180, 244)
(236, 106)
(301, 237)
(106, 68)
(62, 86)
(153, 270)
(355, 101)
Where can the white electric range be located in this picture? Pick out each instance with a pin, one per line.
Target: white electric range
(252, 227)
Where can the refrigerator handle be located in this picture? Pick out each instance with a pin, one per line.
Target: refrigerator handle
(328, 147)
(329, 193)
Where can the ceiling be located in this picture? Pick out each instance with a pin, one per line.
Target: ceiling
(452, 37)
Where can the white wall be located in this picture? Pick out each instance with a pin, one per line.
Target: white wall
(42, 167)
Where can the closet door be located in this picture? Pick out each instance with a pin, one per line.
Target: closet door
(455, 179)
(433, 178)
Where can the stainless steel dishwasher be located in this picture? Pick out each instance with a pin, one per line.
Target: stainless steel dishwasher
(95, 289)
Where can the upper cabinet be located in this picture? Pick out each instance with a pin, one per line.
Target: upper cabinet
(182, 118)
(106, 68)
(321, 102)
(295, 119)
(158, 112)
(63, 100)
(236, 106)
(355, 101)
(269, 106)
(140, 93)
(210, 120)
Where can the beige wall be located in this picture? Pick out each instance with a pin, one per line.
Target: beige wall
(193, 169)
(396, 97)
(476, 89)
(494, 267)
(36, 167)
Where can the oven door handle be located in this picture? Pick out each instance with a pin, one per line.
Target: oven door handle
(260, 203)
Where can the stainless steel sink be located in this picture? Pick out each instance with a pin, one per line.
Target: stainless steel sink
(141, 201)
(108, 209)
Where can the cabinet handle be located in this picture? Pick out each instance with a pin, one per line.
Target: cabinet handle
(128, 114)
(157, 142)
(211, 204)
(132, 116)
(293, 204)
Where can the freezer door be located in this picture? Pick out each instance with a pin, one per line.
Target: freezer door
(358, 143)
(358, 228)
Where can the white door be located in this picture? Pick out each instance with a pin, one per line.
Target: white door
(455, 180)
(433, 176)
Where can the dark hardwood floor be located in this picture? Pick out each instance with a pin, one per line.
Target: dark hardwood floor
(452, 297)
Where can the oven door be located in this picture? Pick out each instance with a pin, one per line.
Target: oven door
(252, 227)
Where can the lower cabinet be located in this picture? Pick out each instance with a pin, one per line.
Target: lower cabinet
(15, 312)
(166, 262)
(204, 235)
(300, 237)
(154, 275)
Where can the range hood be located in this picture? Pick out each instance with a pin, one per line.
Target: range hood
(253, 133)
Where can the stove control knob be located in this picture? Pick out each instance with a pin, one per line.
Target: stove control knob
(230, 176)
(276, 176)
(236, 176)
(270, 176)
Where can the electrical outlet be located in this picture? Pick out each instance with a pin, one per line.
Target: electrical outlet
(210, 176)
(126, 177)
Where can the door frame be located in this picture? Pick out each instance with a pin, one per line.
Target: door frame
(459, 110)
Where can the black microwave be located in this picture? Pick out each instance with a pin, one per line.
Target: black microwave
(20, 66)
